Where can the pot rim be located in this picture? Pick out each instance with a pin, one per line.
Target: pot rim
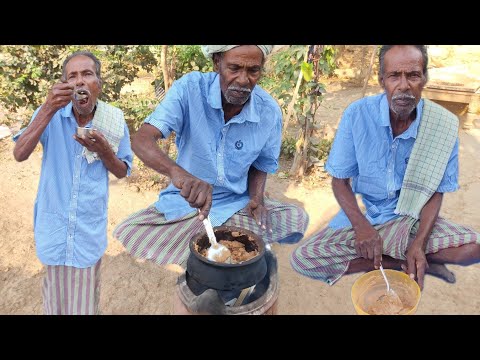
(259, 241)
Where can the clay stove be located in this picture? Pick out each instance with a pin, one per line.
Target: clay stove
(208, 287)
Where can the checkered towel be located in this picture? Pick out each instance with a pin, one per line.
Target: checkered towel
(437, 133)
(110, 122)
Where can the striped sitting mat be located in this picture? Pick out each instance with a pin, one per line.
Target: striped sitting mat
(146, 234)
(327, 254)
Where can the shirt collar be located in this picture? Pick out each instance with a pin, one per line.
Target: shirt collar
(385, 118)
(68, 111)
(248, 112)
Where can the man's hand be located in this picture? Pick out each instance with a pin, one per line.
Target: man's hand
(59, 96)
(94, 142)
(197, 192)
(417, 263)
(369, 244)
(260, 213)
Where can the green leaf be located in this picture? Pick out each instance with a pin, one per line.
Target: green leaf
(307, 71)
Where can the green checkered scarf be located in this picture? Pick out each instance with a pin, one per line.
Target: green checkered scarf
(437, 134)
(110, 122)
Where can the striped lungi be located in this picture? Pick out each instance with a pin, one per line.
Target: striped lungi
(146, 234)
(71, 291)
(327, 254)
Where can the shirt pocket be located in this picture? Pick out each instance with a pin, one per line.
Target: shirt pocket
(96, 170)
(239, 162)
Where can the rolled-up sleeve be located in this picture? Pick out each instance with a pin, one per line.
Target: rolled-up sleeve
(169, 114)
(124, 152)
(342, 160)
(449, 181)
(43, 137)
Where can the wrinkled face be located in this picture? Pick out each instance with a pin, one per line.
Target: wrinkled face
(403, 79)
(239, 69)
(80, 72)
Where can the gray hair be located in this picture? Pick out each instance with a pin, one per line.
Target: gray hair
(385, 48)
(98, 65)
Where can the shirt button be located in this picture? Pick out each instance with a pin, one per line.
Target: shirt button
(74, 196)
(220, 178)
(78, 156)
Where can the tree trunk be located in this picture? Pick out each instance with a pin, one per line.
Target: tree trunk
(298, 153)
(369, 72)
(294, 97)
(306, 144)
(300, 161)
(163, 63)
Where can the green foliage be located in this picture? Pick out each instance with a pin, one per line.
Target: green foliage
(288, 147)
(307, 71)
(181, 59)
(190, 58)
(120, 66)
(135, 108)
(281, 73)
(322, 149)
(326, 63)
(281, 77)
(27, 72)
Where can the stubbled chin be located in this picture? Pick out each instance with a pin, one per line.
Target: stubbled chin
(237, 100)
(84, 109)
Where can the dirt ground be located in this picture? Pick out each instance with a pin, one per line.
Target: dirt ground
(131, 286)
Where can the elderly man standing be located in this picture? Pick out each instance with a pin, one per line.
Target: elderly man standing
(70, 214)
(401, 154)
(228, 135)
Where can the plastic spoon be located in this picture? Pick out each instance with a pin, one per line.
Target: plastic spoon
(216, 252)
(390, 302)
(386, 280)
(390, 292)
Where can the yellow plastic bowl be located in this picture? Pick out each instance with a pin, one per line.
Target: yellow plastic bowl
(368, 287)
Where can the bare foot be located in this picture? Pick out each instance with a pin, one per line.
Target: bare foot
(441, 271)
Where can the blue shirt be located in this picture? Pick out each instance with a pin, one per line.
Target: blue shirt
(70, 212)
(217, 152)
(364, 149)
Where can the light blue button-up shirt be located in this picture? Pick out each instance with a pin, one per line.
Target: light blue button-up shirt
(217, 152)
(364, 149)
(70, 212)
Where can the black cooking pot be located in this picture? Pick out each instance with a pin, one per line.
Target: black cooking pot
(221, 276)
